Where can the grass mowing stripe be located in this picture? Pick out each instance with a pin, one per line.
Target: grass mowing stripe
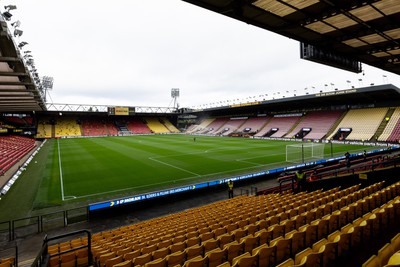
(61, 174)
(172, 166)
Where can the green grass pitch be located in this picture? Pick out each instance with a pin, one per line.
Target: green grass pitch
(85, 170)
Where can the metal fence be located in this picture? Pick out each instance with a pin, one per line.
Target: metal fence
(10, 230)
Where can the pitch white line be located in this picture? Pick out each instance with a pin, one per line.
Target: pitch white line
(121, 190)
(61, 176)
(249, 162)
(173, 166)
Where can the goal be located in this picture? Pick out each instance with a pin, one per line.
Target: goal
(300, 153)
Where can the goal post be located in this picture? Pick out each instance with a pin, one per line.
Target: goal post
(300, 153)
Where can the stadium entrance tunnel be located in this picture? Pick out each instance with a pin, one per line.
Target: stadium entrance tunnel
(302, 133)
(271, 132)
(342, 134)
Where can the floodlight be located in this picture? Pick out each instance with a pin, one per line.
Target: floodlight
(21, 44)
(16, 24)
(10, 7)
(7, 15)
(18, 33)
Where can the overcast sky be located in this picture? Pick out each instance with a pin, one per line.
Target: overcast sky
(133, 52)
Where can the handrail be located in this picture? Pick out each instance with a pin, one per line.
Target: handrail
(43, 256)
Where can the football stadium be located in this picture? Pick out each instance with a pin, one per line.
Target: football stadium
(303, 179)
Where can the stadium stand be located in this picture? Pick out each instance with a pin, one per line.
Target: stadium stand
(215, 126)
(252, 125)
(231, 126)
(66, 127)
(319, 122)
(169, 125)
(199, 128)
(21, 121)
(319, 227)
(45, 129)
(155, 125)
(391, 133)
(12, 149)
(137, 126)
(363, 122)
(282, 124)
(92, 126)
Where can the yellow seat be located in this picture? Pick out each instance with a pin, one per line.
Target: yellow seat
(206, 236)
(194, 251)
(104, 257)
(149, 249)
(225, 239)
(328, 249)
(54, 261)
(198, 261)
(179, 246)
(308, 257)
(239, 233)
(263, 236)
(373, 261)
(251, 229)
(225, 264)
(234, 249)
(322, 229)
(142, 259)
(395, 241)
(157, 263)
(123, 251)
(277, 230)
(385, 253)
(394, 259)
(192, 241)
(160, 253)
(283, 248)
(216, 257)
(176, 258)
(164, 244)
(111, 262)
(245, 260)
(219, 231)
(249, 243)
(287, 263)
(210, 244)
(266, 255)
(298, 241)
(178, 239)
(68, 259)
(131, 255)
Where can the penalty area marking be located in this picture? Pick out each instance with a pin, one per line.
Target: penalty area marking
(69, 197)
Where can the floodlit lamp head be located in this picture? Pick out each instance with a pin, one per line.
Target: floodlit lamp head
(21, 44)
(16, 24)
(7, 15)
(17, 33)
(10, 7)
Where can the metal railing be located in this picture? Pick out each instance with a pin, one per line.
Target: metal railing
(43, 257)
(10, 230)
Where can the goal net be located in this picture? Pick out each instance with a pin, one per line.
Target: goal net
(299, 153)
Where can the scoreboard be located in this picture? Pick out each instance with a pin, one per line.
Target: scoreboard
(121, 111)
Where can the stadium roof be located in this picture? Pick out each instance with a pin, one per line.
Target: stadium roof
(373, 96)
(18, 88)
(367, 31)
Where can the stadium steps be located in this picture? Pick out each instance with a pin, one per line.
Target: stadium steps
(384, 122)
(334, 129)
(294, 127)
